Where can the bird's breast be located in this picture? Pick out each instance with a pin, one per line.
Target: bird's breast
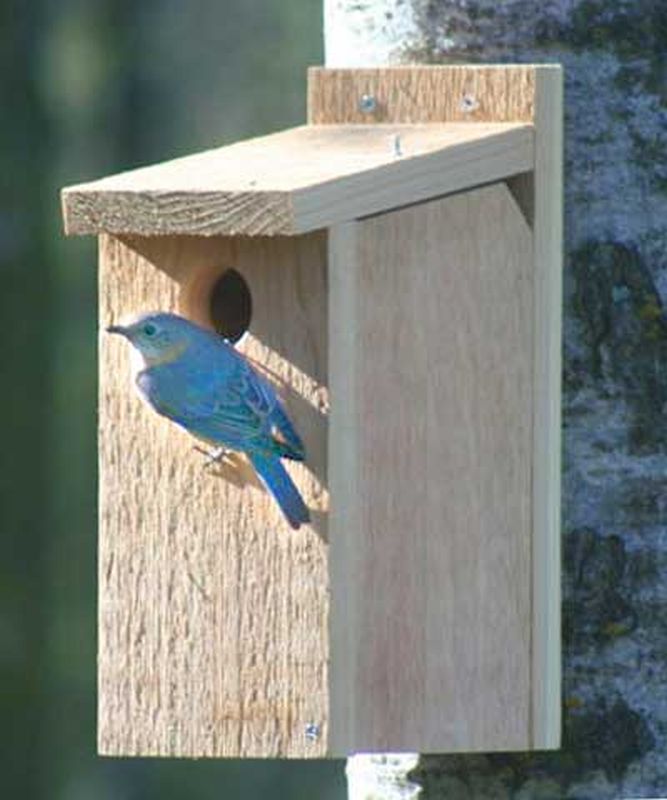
(161, 389)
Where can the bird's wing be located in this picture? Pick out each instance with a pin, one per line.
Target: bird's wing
(236, 409)
(236, 413)
(250, 405)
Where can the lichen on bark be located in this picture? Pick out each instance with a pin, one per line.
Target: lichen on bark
(614, 56)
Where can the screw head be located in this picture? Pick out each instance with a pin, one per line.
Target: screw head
(312, 731)
(468, 103)
(367, 104)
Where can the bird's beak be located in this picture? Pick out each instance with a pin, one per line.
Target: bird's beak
(117, 329)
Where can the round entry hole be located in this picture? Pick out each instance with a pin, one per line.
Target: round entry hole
(230, 305)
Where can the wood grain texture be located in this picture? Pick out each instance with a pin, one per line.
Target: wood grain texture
(548, 260)
(423, 94)
(431, 462)
(214, 636)
(212, 611)
(299, 180)
(521, 93)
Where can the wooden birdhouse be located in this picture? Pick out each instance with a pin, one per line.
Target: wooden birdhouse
(395, 268)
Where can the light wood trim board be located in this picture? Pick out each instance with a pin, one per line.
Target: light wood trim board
(548, 265)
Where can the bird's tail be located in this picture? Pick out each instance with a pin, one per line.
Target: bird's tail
(277, 480)
(293, 448)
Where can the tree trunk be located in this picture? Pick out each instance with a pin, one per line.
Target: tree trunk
(614, 381)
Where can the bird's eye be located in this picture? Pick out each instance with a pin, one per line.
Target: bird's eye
(150, 329)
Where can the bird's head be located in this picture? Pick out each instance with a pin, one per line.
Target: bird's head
(157, 337)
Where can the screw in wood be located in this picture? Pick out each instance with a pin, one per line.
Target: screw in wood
(468, 103)
(367, 104)
(312, 731)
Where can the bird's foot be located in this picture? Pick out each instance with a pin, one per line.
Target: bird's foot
(215, 456)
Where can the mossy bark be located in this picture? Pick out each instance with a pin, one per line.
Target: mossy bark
(615, 369)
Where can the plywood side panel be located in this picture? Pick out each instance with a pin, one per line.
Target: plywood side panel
(212, 611)
(432, 309)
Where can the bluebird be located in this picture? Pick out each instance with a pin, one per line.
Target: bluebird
(201, 382)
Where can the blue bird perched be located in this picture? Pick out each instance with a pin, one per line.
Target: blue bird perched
(197, 379)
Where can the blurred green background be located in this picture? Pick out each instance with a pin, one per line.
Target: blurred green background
(90, 87)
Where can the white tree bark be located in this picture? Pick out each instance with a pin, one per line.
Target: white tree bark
(615, 377)
(368, 34)
(373, 776)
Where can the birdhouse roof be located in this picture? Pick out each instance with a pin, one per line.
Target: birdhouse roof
(300, 179)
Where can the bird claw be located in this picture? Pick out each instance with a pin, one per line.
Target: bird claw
(215, 456)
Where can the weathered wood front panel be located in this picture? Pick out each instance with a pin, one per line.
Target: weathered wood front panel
(212, 611)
